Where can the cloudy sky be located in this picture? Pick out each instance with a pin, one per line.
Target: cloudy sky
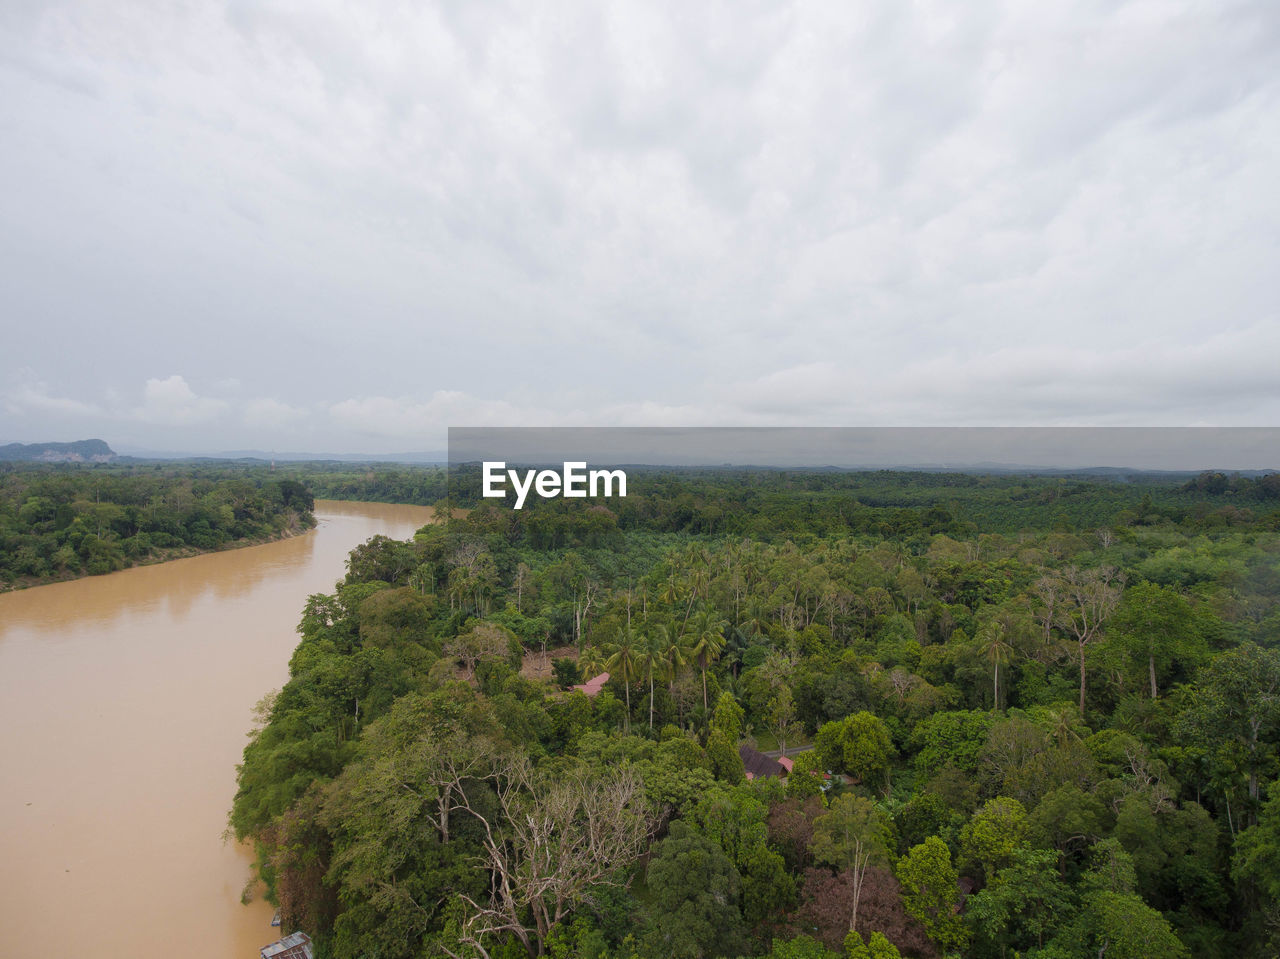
(336, 227)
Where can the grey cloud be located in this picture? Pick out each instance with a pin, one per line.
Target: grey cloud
(380, 217)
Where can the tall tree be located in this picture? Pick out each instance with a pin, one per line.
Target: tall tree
(550, 843)
(674, 652)
(1087, 599)
(859, 744)
(931, 892)
(1155, 626)
(653, 656)
(707, 641)
(696, 889)
(1234, 711)
(624, 662)
(1022, 906)
(997, 650)
(852, 836)
(780, 716)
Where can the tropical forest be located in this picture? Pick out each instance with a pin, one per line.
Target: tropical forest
(59, 522)
(795, 714)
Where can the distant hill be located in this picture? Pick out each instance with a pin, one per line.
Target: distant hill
(423, 458)
(81, 451)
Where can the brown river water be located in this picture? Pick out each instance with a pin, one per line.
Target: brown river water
(124, 704)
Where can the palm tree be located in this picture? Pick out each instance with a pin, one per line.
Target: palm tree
(624, 663)
(675, 657)
(706, 642)
(735, 646)
(997, 650)
(591, 661)
(754, 617)
(654, 658)
(672, 588)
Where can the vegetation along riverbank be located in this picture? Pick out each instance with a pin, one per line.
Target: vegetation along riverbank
(1041, 716)
(62, 521)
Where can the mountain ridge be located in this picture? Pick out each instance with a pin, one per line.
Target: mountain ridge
(78, 451)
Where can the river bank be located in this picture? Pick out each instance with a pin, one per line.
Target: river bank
(126, 699)
(165, 555)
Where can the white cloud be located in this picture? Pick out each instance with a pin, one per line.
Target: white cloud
(35, 398)
(266, 412)
(172, 402)
(410, 418)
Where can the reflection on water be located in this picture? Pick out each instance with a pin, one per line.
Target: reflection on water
(124, 700)
(170, 589)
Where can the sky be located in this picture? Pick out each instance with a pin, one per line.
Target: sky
(346, 227)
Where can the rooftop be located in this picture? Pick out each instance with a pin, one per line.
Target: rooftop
(593, 685)
(758, 765)
(296, 945)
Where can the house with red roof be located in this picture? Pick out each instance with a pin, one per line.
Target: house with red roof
(593, 685)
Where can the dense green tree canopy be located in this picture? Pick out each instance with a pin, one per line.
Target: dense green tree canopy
(423, 779)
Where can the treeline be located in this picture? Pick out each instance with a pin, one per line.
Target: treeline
(1264, 488)
(67, 521)
(1060, 740)
(907, 507)
(374, 483)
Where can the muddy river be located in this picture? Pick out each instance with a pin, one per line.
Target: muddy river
(124, 704)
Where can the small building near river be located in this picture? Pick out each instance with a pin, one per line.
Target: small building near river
(296, 945)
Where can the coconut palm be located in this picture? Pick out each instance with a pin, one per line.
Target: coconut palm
(997, 650)
(672, 587)
(706, 643)
(736, 645)
(674, 653)
(422, 579)
(654, 659)
(591, 661)
(624, 664)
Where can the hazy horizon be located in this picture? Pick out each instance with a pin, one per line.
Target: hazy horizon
(975, 449)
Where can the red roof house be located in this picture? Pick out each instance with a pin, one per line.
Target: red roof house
(593, 685)
(758, 765)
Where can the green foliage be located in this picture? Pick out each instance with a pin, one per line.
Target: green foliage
(1175, 852)
(399, 847)
(995, 834)
(726, 762)
(566, 672)
(57, 522)
(676, 778)
(727, 718)
(806, 775)
(1122, 926)
(876, 947)
(1154, 632)
(852, 833)
(859, 745)
(1232, 719)
(1068, 819)
(931, 893)
(801, 947)
(926, 814)
(1022, 907)
(950, 739)
(695, 890)
(1256, 859)
(864, 608)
